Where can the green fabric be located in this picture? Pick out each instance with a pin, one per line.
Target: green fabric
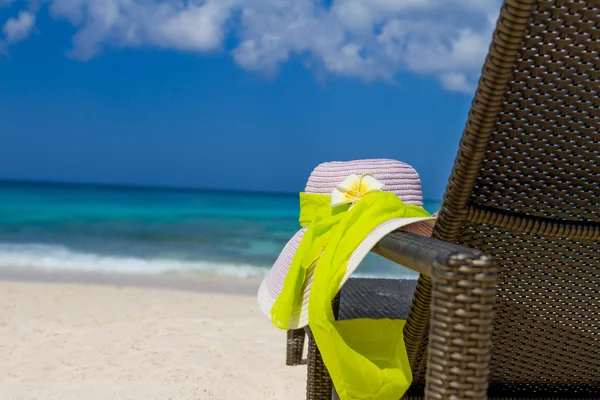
(319, 218)
(365, 358)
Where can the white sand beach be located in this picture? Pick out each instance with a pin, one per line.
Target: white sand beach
(76, 341)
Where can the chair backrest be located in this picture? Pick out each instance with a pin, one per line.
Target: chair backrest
(525, 189)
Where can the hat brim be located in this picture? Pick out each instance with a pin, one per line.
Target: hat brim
(272, 285)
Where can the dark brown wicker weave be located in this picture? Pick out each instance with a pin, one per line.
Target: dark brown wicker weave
(525, 189)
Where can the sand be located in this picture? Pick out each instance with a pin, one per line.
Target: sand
(78, 341)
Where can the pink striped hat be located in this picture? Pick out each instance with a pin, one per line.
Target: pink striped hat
(397, 177)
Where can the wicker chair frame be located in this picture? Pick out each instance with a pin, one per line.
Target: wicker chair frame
(516, 245)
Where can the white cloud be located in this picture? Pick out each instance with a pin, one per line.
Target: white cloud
(364, 39)
(457, 81)
(19, 28)
(370, 39)
(192, 26)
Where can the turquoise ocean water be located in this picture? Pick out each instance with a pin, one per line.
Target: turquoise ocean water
(146, 230)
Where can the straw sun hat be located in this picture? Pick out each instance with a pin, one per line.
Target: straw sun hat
(389, 176)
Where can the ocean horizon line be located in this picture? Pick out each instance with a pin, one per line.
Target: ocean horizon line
(146, 187)
(141, 187)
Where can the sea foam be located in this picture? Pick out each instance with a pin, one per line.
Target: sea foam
(60, 258)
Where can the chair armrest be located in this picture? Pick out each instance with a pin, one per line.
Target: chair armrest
(463, 293)
(420, 253)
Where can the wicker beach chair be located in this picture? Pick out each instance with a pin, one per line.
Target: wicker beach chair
(525, 192)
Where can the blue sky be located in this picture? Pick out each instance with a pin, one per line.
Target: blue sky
(233, 94)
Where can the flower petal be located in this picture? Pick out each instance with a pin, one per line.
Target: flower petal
(347, 184)
(368, 184)
(338, 198)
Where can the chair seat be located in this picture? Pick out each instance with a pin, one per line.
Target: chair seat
(376, 298)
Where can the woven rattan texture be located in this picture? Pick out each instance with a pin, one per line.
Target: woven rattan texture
(376, 298)
(294, 346)
(547, 314)
(543, 158)
(318, 384)
(416, 332)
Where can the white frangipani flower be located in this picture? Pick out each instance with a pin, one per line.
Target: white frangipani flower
(353, 188)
